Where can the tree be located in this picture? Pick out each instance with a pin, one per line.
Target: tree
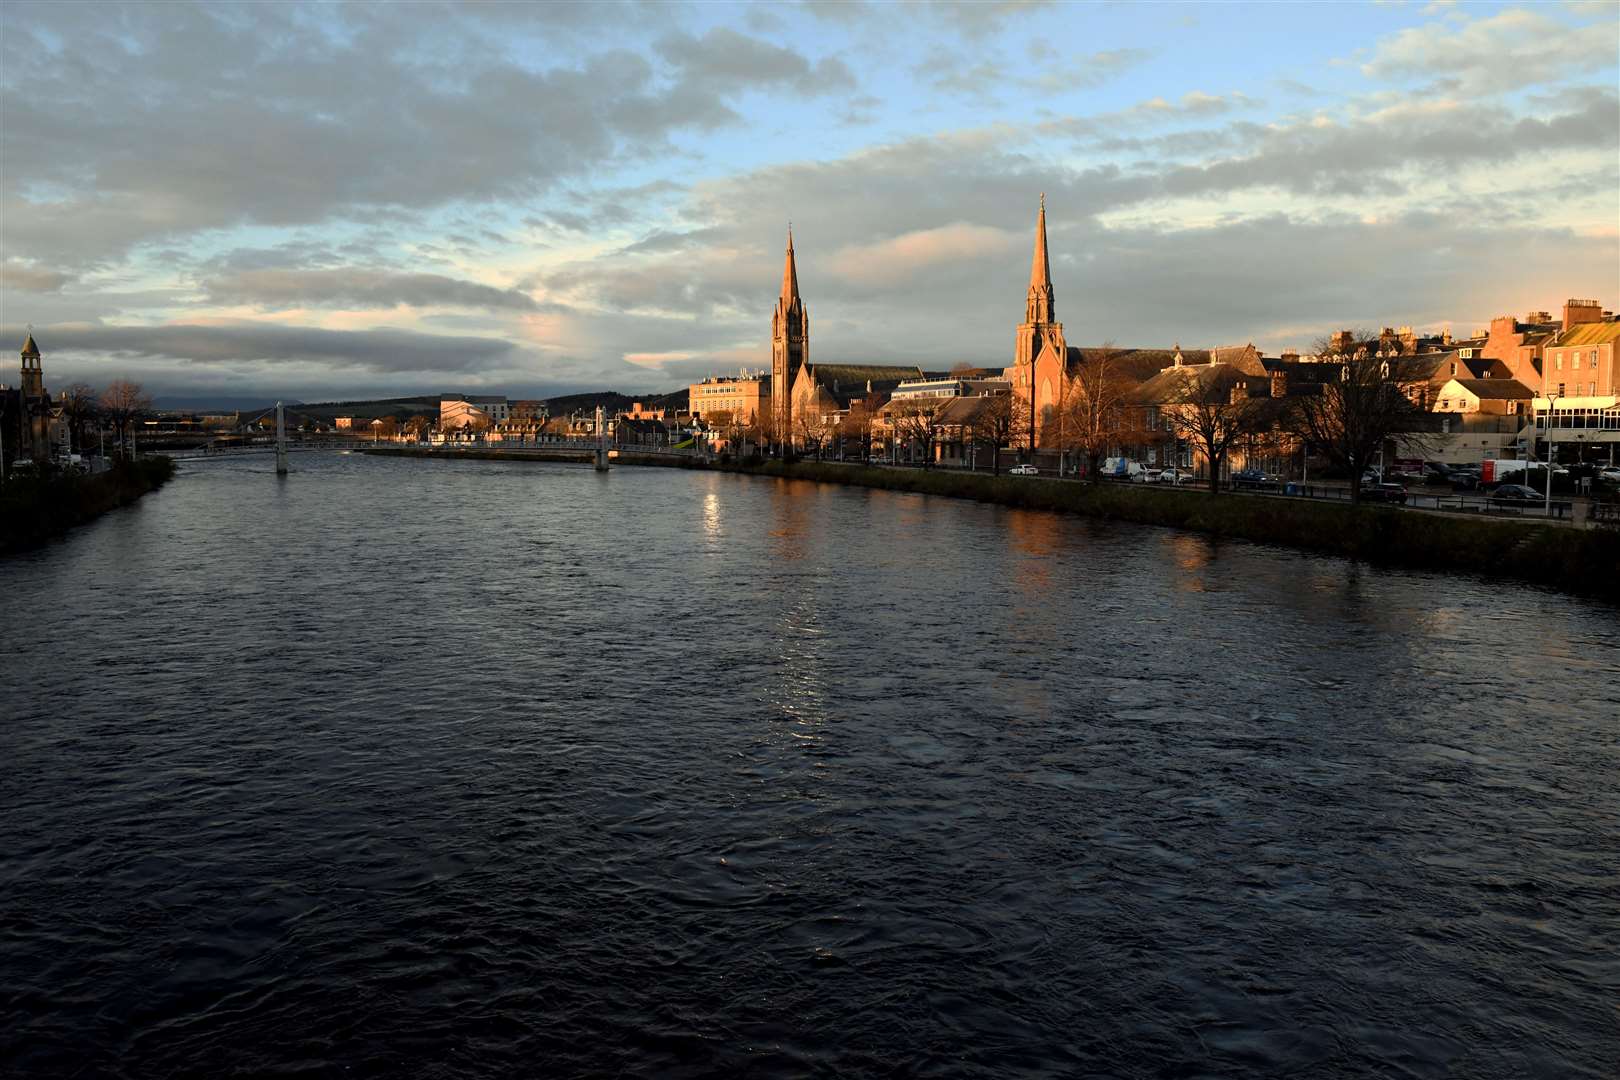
(913, 423)
(762, 425)
(417, 428)
(1095, 414)
(995, 425)
(124, 402)
(1349, 421)
(1211, 408)
(1025, 422)
(79, 407)
(812, 428)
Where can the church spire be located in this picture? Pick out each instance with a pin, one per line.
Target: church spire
(1040, 269)
(1038, 310)
(790, 272)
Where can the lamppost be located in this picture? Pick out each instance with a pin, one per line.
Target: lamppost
(1552, 452)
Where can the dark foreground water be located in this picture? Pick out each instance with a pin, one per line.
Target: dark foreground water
(430, 769)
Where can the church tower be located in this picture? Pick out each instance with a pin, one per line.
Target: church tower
(36, 406)
(1040, 354)
(790, 345)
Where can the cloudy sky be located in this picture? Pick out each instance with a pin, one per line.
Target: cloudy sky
(268, 200)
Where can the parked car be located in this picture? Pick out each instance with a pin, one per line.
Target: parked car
(1174, 475)
(1388, 493)
(1023, 470)
(1517, 495)
(1253, 478)
(1609, 474)
(1465, 480)
(1437, 472)
(1372, 476)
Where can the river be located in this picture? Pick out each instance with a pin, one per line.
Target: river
(464, 769)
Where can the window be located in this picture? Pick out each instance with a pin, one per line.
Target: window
(1560, 389)
(1558, 361)
(1575, 360)
(1591, 389)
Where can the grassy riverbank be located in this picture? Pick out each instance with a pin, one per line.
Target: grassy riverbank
(1585, 561)
(35, 509)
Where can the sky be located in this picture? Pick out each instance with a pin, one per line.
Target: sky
(243, 202)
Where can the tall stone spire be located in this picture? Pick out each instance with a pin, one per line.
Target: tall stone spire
(790, 345)
(790, 272)
(1040, 370)
(1038, 309)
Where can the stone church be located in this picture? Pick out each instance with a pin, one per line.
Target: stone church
(28, 411)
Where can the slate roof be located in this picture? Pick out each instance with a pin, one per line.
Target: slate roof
(827, 374)
(1592, 333)
(1180, 385)
(1496, 389)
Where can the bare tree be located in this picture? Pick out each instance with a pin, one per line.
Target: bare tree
(812, 428)
(124, 402)
(913, 421)
(1371, 400)
(79, 407)
(1212, 409)
(1024, 421)
(1095, 414)
(995, 425)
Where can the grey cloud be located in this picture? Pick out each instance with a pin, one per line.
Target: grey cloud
(379, 350)
(32, 279)
(973, 73)
(725, 59)
(1088, 71)
(1367, 155)
(170, 120)
(360, 288)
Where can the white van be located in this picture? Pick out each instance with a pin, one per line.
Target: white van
(1118, 468)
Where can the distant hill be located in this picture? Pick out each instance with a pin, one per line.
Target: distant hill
(613, 401)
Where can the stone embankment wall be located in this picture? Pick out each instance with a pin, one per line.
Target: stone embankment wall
(35, 509)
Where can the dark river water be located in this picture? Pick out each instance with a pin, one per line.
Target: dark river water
(464, 769)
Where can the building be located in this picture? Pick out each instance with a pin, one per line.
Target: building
(30, 407)
(790, 344)
(824, 393)
(1578, 411)
(480, 410)
(1518, 345)
(477, 411)
(738, 397)
(950, 386)
(1040, 355)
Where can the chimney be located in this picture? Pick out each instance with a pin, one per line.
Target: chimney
(1538, 318)
(1279, 384)
(1581, 311)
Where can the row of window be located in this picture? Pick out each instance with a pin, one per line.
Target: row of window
(1588, 419)
(1574, 360)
